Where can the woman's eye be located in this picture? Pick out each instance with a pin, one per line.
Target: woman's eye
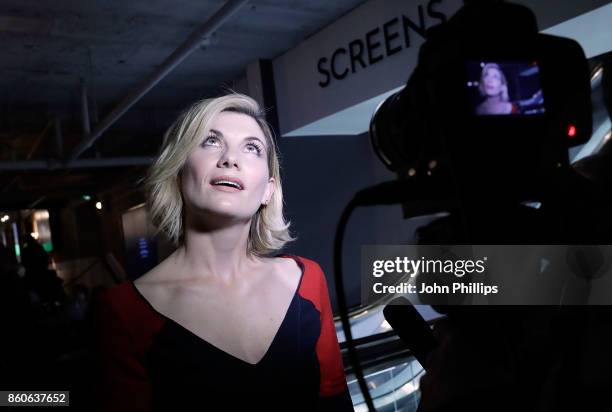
(211, 141)
(254, 148)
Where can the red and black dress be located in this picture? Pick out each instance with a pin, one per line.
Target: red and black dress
(149, 362)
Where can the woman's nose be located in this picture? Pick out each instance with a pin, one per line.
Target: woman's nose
(228, 159)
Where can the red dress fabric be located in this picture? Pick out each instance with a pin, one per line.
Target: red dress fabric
(148, 362)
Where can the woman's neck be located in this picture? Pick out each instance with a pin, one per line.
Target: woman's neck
(494, 99)
(220, 251)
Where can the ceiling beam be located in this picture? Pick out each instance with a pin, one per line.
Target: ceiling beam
(189, 46)
(52, 164)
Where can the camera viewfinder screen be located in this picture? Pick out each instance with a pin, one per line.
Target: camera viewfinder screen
(505, 88)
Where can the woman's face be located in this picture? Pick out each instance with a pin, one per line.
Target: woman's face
(492, 81)
(227, 174)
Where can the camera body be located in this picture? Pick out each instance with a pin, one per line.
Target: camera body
(489, 112)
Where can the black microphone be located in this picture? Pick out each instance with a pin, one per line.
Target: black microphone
(411, 328)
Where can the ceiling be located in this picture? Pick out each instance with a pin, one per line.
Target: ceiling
(53, 51)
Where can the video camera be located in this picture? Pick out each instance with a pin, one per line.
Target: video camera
(489, 111)
(480, 131)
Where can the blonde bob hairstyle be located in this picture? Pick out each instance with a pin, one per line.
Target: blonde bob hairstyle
(269, 231)
(504, 89)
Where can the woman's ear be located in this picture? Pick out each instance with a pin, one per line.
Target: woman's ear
(269, 191)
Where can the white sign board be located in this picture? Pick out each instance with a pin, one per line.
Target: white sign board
(333, 81)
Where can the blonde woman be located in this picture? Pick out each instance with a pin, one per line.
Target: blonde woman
(225, 322)
(493, 87)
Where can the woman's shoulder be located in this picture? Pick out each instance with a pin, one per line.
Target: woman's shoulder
(122, 303)
(305, 263)
(122, 316)
(112, 304)
(110, 308)
(117, 295)
(313, 275)
(313, 285)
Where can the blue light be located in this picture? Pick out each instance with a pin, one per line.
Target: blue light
(143, 247)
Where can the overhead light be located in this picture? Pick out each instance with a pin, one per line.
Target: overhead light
(99, 205)
(41, 214)
(86, 197)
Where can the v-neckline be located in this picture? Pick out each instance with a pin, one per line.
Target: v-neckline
(207, 343)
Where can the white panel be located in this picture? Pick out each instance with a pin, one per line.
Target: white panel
(300, 98)
(345, 106)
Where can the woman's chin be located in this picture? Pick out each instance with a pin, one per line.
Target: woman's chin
(223, 210)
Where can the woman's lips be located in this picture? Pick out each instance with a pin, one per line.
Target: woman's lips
(228, 181)
(228, 189)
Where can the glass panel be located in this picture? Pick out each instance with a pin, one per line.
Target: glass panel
(392, 388)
